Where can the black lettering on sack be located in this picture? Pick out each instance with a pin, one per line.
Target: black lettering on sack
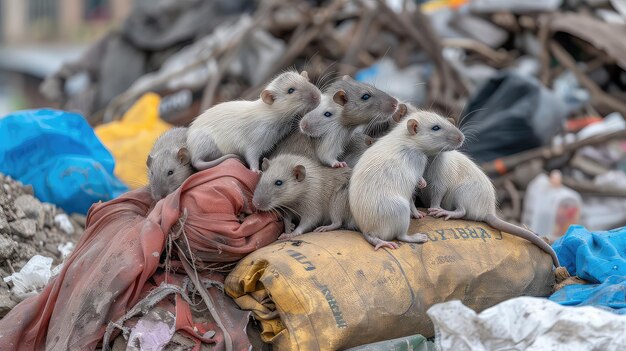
(462, 233)
(472, 232)
(441, 232)
(308, 266)
(431, 238)
(334, 306)
(484, 234)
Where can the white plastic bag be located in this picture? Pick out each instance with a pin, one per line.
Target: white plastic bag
(31, 278)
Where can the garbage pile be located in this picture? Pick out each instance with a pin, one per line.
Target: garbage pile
(563, 59)
(536, 87)
(29, 227)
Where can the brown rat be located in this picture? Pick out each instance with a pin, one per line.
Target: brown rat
(385, 178)
(299, 186)
(458, 188)
(250, 128)
(169, 163)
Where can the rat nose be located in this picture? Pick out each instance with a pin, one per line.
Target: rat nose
(315, 97)
(394, 104)
(303, 125)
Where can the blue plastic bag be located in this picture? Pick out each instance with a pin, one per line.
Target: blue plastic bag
(58, 153)
(599, 258)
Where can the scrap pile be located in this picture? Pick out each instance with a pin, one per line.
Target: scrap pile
(451, 56)
(535, 87)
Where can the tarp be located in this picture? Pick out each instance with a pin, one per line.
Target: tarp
(58, 154)
(131, 138)
(332, 291)
(121, 248)
(527, 324)
(599, 258)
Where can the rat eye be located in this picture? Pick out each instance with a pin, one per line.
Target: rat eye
(327, 114)
(436, 128)
(365, 96)
(278, 182)
(291, 90)
(170, 172)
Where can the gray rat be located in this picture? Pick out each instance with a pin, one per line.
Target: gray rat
(358, 143)
(346, 105)
(363, 104)
(458, 188)
(299, 186)
(169, 163)
(250, 128)
(385, 178)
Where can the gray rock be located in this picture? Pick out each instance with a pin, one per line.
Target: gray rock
(6, 304)
(7, 247)
(31, 207)
(26, 228)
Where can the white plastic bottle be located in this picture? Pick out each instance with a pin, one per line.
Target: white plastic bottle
(550, 207)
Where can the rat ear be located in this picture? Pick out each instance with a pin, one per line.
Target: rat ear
(183, 156)
(400, 113)
(265, 164)
(412, 126)
(305, 74)
(299, 172)
(452, 120)
(268, 97)
(369, 140)
(340, 97)
(149, 161)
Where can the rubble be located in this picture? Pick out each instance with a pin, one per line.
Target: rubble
(28, 228)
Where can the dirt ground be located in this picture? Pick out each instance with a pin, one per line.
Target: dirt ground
(29, 227)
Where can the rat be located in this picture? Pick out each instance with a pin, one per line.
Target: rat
(169, 163)
(363, 104)
(356, 146)
(301, 187)
(345, 106)
(384, 180)
(458, 188)
(250, 128)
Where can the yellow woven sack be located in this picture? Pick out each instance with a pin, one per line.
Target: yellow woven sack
(131, 138)
(331, 291)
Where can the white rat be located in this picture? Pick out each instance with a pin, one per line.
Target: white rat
(250, 128)
(386, 176)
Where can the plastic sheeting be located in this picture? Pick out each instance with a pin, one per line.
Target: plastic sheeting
(114, 262)
(526, 324)
(332, 291)
(58, 153)
(509, 114)
(599, 258)
(131, 138)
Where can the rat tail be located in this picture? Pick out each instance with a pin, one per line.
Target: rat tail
(202, 165)
(503, 226)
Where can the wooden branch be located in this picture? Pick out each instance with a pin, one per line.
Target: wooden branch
(598, 97)
(504, 165)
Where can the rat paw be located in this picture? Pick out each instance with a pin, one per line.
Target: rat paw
(387, 244)
(417, 214)
(257, 171)
(422, 183)
(338, 164)
(289, 228)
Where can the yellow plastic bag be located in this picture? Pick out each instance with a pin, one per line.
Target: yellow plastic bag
(332, 291)
(131, 138)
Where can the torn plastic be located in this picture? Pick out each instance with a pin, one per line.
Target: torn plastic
(32, 278)
(528, 324)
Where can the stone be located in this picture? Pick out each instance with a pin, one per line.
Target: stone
(6, 303)
(31, 208)
(7, 247)
(25, 228)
